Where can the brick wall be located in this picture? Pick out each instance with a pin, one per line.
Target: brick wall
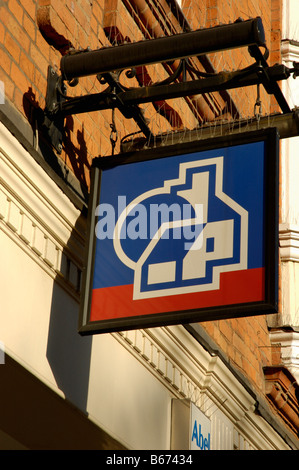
(35, 34)
(245, 341)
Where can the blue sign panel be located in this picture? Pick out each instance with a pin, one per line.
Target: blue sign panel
(183, 234)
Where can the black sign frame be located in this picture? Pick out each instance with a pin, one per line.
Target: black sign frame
(270, 303)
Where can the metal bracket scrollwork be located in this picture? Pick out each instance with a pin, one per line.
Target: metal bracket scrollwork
(59, 105)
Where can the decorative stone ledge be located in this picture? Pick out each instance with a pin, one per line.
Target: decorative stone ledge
(282, 391)
(288, 342)
(38, 217)
(289, 242)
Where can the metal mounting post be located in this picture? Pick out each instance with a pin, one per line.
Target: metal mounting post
(53, 124)
(168, 48)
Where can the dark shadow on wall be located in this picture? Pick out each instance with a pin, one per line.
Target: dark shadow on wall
(74, 145)
(68, 353)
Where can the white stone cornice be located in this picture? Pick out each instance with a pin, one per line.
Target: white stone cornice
(290, 54)
(28, 179)
(289, 347)
(290, 20)
(188, 369)
(190, 372)
(289, 51)
(289, 242)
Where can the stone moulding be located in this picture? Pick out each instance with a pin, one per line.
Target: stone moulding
(289, 242)
(282, 391)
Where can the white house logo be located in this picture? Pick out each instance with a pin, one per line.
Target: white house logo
(192, 231)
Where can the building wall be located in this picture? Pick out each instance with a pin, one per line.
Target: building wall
(289, 315)
(124, 382)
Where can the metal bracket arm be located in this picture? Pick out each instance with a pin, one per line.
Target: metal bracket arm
(58, 106)
(127, 100)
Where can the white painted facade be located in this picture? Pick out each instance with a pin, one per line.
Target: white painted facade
(124, 382)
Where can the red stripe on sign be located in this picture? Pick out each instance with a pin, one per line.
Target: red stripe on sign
(236, 287)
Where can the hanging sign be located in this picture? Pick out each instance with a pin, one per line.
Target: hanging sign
(182, 234)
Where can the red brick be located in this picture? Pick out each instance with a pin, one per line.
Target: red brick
(226, 329)
(2, 32)
(30, 27)
(16, 10)
(8, 84)
(27, 66)
(39, 60)
(82, 16)
(5, 61)
(30, 7)
(16, 30)
(20, 79)
(41, 86)
(18, 98)
(12, 47)
(65, 15)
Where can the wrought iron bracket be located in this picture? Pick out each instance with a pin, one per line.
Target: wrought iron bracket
(127, 100)
(53, 120)
(59, 105)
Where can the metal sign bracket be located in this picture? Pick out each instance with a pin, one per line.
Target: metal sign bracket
(127, 100)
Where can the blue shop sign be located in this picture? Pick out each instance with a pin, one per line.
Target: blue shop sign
(183, 233)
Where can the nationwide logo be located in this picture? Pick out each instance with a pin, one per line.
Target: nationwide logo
(179, 234)
(191, 242)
